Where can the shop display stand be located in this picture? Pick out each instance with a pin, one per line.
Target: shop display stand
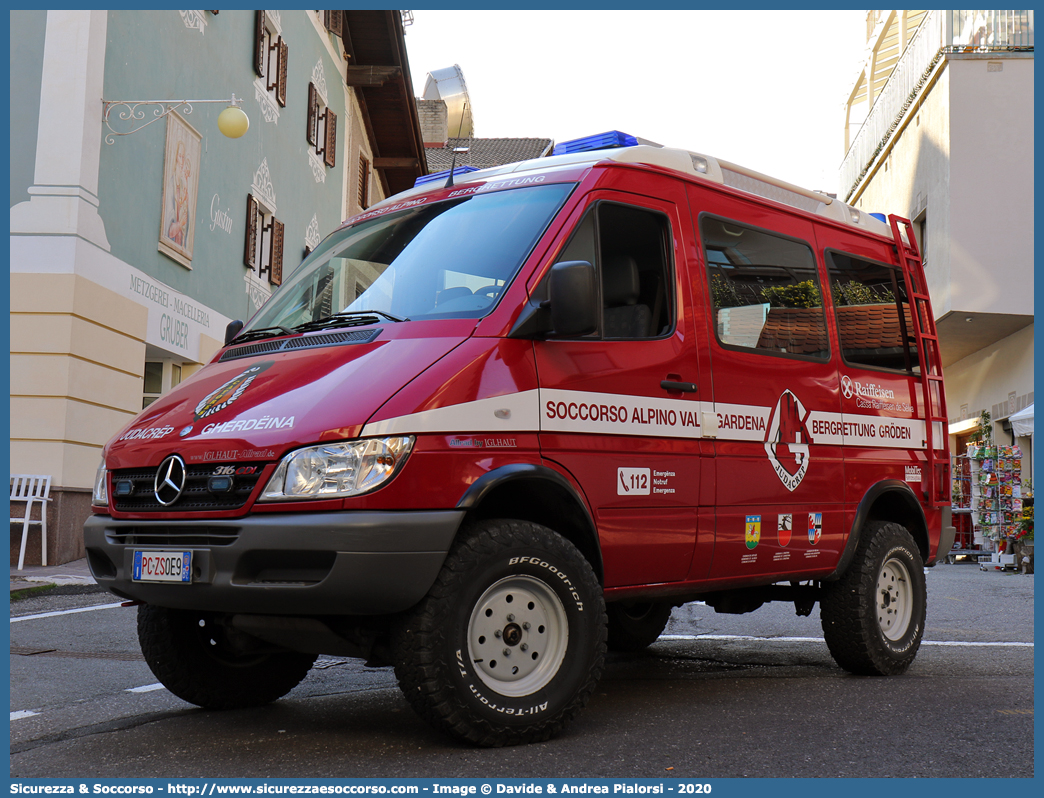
(964, 544)
(995, 501)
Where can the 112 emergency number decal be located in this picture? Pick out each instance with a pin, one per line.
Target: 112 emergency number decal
(633, 481)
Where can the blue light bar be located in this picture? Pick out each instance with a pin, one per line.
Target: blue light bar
(600, 141)
(444, 175)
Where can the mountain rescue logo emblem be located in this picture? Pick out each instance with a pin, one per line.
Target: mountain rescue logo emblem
(786, 442)
(218, 400)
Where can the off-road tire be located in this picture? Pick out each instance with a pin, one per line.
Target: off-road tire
(189, 653)
(873, 616)
(636, 625)
(505, 585)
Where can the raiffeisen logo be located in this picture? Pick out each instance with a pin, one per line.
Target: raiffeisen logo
(850, 388)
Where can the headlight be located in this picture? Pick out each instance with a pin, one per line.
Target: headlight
(101, 487)
(337, 469)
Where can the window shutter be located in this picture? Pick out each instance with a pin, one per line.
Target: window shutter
(251, 232)
(284, 58)
(334, 22)
(364, 181)
(330, 148)
(275, 268)
(313, 112)
(259, 43)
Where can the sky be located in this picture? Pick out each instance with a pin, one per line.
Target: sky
(764, 89)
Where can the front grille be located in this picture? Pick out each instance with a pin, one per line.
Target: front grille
(175, 536)
(301, 342)
(196, 495)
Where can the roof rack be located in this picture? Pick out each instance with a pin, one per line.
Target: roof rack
(624, 148)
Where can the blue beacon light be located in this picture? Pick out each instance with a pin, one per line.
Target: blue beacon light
(599, 141)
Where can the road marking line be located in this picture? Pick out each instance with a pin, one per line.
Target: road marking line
(66, 612)
(148, 688)
(821, 640)
(23, 713)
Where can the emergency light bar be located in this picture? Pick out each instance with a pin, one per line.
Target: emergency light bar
(444, 174)
(599, 141)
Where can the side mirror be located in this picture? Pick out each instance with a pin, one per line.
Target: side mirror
(573, 297)
(232, 330)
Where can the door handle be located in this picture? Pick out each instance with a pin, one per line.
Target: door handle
(673, 385)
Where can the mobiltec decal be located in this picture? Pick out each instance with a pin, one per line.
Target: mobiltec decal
(218, 400)
(786, 443)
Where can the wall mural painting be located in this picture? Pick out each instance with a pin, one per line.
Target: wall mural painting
(180, 181)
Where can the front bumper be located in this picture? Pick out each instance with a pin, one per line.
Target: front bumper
(347, 563)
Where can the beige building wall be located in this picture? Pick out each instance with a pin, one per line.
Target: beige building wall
(960, 165)
(991, 184)
(912, 180)
(65, 403)
(991, 377)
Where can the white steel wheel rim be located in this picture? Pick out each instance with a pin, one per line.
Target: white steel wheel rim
(517, 635)
(894, 599)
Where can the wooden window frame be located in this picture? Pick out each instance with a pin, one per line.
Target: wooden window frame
(319, 113)
(259, 222)
(267, 42)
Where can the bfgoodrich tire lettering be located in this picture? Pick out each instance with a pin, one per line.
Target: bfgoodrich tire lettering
(509, 643)
(636, 625)
(873, 616)
(195, 657)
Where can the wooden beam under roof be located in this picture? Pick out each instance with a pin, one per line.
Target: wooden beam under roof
(395, 163)
(372, 75)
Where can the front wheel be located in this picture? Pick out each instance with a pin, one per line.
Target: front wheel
(873, 616)
(509, 643)
(206, 662)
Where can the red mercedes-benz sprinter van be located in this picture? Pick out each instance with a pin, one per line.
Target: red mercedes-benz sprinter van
(486, 430)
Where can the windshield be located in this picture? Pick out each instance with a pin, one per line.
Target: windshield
(450, 259)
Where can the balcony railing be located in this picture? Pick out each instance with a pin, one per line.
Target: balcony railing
(940, 32)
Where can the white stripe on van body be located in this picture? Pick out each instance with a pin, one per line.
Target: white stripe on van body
(515, 412)
(552, 410)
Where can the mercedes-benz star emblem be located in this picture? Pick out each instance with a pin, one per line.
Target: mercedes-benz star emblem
(170, 480)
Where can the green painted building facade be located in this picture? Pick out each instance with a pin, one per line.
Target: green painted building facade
(135, 239)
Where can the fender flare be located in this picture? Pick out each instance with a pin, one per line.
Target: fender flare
(876, 491)
(516, 472)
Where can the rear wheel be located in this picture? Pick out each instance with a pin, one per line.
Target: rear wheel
(207, 663)
(873, 616)
(634, 625)
(509, 643)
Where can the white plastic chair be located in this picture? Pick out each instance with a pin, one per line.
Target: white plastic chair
(31, 488)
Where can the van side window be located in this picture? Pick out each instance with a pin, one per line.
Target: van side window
(628, 245)
(765, 290)
(873, 316)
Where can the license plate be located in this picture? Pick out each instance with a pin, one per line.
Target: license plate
(162, 566)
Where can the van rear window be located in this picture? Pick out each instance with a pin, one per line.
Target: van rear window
(873, 317)
(765, 291)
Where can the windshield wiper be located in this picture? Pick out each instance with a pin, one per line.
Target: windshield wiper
(348, 318)
(262, 332)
